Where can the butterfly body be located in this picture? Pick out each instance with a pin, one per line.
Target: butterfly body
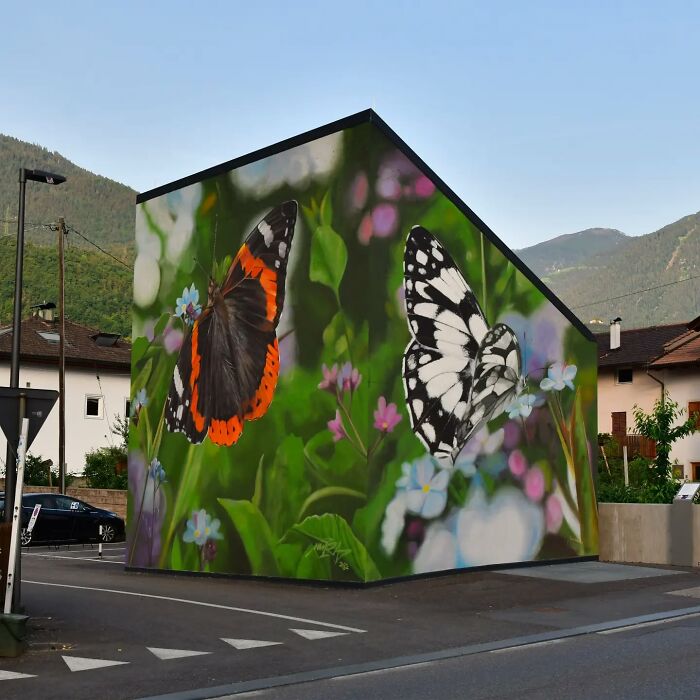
(229, 363)
(458, 372)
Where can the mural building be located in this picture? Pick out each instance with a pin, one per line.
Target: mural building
(339, 373)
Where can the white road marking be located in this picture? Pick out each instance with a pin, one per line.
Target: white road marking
(249, 643)
(81, 663)
(393, 669)
(12, 675)
(639, 625)
(60, 556)
(316, 634)
(152, 596)
(167, 654)
(534, 645)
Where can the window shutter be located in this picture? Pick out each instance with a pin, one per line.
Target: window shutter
(694, 409)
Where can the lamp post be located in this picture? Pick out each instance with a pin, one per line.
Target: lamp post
(48, 179)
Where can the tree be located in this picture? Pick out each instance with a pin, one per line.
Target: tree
(659, 426)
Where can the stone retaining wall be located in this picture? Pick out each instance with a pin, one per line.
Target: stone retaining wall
(650, 533)
(109, 499)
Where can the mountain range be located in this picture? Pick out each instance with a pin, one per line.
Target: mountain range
(600, 272)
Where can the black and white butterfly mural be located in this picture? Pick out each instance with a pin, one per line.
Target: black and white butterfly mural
(458, 372)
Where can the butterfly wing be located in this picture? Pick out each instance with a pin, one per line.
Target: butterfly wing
(182, 412)
(496, 379)
(235, 357)
(448, 327)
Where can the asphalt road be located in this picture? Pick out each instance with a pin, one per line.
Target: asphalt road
(647, 663)
(100, 632)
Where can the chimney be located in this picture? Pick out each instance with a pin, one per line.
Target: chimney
(45, 311)
(615, 333)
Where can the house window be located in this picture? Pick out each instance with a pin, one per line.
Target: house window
(694, 410)
(127, 408)
(695, 471)
(624, 376)
(93, 406)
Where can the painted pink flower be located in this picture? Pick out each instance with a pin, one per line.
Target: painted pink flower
(388, 185)
(359, 191)
(423, 187)
(172, 339)
(386, 417)
(336, 427)
(349, 378)
(554, 513)
(330, 379)
(517, 463)
(385, 219)
(364, 233)
(511, 435)
(534, 484)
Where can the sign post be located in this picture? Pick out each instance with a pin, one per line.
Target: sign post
(20, 410)
(16, 517)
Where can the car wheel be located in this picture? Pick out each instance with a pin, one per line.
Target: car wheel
(107, 532)
(25, 537)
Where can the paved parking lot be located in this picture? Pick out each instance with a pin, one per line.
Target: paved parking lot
(133, 635)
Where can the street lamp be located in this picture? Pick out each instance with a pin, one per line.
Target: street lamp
(48, 179)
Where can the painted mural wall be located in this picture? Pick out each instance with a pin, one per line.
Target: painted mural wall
(337, 376)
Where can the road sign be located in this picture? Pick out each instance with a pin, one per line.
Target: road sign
(38, 405)
(32, 520)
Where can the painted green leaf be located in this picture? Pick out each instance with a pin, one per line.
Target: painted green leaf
(339, 543)
(329, 492)
(329, 256)
(141, 378)
(584, 479)
(313, 566)
(326, 210)
(255, 534)
(138, 350)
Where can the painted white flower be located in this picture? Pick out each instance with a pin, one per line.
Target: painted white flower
(508, 528)
(426, 489)
(146, 280)
(438, 551)
(521, 406)
(559, 375)
(393, 523)
(481, 444)
(293, 167)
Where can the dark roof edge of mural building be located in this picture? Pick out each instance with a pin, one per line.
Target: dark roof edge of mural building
(363, 117)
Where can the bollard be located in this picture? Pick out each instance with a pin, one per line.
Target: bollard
(99, 546)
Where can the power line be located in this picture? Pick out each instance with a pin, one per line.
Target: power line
(638, 291)
(102, 250)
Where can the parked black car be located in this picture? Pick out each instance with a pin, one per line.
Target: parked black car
(63, 519)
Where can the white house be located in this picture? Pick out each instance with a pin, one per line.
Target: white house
(97, 384)
(637, 366)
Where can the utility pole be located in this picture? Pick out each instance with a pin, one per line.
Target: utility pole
(61, 360)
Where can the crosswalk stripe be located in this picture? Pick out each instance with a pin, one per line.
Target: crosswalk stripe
(12, 675)
(249, 643)
(316, 634)
(166, 654)
(80, 663)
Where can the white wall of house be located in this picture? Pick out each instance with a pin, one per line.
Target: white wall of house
(83, 432)
(683, 386)
(615, 397)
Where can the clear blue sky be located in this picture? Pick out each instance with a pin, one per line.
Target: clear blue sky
(546, 117)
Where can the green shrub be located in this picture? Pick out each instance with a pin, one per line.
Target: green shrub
(105, 468)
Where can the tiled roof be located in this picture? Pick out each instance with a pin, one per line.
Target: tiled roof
(684, 350)
(81, 348)
(638, 346)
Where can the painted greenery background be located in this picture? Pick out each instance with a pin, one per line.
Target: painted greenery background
(332, 483)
